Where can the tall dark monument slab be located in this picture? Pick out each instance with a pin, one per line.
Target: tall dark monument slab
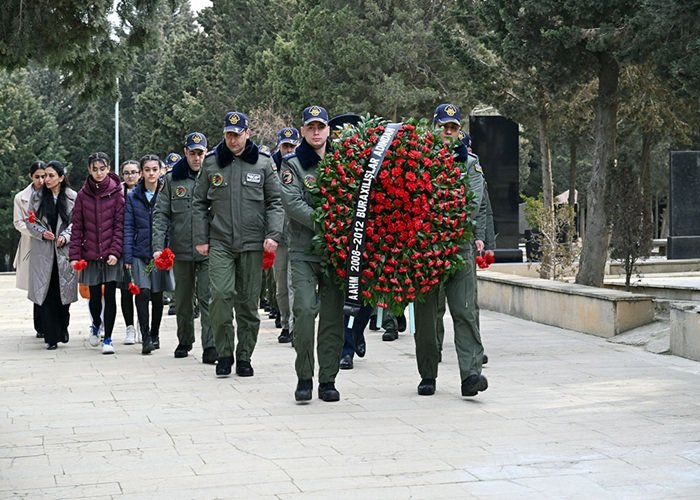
(495, 140)
(684, 187)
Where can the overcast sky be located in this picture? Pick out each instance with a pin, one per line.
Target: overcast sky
(198, 5)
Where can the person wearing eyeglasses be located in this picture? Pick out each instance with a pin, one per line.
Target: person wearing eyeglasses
(97, 237)
(131, 174)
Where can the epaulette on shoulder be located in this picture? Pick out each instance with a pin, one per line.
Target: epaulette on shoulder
(289, 156)
(210, 152)
(265, 153)
(473, 156)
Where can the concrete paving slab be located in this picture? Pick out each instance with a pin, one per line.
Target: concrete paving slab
(567, 415)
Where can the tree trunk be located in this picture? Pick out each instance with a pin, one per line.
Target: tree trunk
(645, 184)
(546, 161)
(549, 242)
(572, 171)
(595, 247)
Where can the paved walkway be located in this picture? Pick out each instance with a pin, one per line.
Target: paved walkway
(567, 415)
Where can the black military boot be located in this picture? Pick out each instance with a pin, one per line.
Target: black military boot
(223, 366)
(426, 387)
(328, 393)
(285, 337)
(304, 389)
(474, 384)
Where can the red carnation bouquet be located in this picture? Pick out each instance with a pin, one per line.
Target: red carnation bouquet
(165, 260)
(416, 211)
(484, 261)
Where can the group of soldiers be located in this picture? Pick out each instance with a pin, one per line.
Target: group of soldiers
(226, 207)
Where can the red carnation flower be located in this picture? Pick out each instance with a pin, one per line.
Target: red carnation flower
(80, 265)
(32, 216)
(134, 289)
(268, 259)
(481, 262)
(165, 260)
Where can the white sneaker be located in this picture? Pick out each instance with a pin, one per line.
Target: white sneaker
(130, 338)
(94, 337)
(107, 347)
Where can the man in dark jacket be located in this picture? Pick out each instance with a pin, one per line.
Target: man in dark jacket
(174, 213)
(314, 289)
(237, 214)
(287, 142)
(460, 287)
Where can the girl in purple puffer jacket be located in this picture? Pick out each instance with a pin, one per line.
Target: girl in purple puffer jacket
(98, 233)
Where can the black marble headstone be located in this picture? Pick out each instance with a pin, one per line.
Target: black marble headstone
(684, 187)
(495, 141)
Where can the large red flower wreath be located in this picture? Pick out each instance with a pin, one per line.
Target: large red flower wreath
(418, 211)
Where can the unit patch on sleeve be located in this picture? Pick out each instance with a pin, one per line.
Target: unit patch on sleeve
(217, 180)
(310, 181)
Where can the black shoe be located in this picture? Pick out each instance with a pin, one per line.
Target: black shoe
(401, 320)
(39, 335)
(328, 393)
(426, 387)
(167, 300)
(485, 360)
(209, 356)
(223, 366)
(182, 350)
(156, 341)
(285, 337)
(390, 335)
(51, 347)
(264, 304)
(474, 384)
(278, 321)
(303, 390)
(244, 369)
(196, 312)
(147, 345)
(274, 314)
(66, 337)
(346, 362)
(360, 343)
(171, 310)
(373, 323)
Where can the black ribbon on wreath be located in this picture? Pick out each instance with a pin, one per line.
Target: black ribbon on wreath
(353, 302)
